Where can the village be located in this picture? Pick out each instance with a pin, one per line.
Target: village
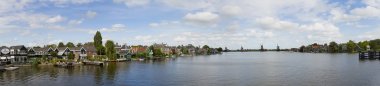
(62, 54)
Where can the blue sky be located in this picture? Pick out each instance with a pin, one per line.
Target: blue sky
(218, 23)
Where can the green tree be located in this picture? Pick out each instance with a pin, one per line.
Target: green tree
(52, 45)
(60, 44)
(156, 51)
(220, 49)
(79, 45)
(98, 43)
(375, 44)
(141, 55)
(333, 47)
(184, 50)
(207, 48)
(302, 48)
(363, 45)
(110, 50)
(71, 56)
(89, 44)
(70, 44)
(54, 54)
(351, 46)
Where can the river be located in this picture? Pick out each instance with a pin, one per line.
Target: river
(227, 69)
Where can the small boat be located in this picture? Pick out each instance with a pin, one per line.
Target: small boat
(121, 60)
(141, 59)
(11, 68)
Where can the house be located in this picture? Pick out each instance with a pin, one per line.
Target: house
(167, 50)
(31, 52)
(5, 57)
(90, 51)
(123, 51)
(63, 52)
(138, 49)
(18, 54)
(79, 52)
(38, 52)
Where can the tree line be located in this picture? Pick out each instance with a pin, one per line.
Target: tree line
(347, 47)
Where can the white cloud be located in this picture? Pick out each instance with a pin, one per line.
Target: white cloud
(133, 3)
(338, 15)
(231, 10)
(55, 19)
(322, 31)
(90, 14)
(375, 3)
(75, 22)
(184, 4)
(202, 18)
(114, 28)
(63, 2)
(274, 23)
(13, 5)
(366, 12)
(165, 24)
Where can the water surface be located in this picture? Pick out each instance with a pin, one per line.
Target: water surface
(228, 69)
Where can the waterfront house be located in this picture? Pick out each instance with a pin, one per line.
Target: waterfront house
(317, 48)
(41, 51)
(138, 49)
(18, 54)
(31, 52)
(79, 52)
(90, 51)
(123, 51)
(63, 52)
(5, 57)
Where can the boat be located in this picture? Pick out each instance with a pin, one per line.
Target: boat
(141, 59)
(98, 63)
(11, 68)
(121, 60)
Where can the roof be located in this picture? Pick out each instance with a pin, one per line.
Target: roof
(89, 48)
(76, 48)
(17, 47)
(61, 48)
(41, 49)
(2, 47)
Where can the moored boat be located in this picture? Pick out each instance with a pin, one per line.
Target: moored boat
(11, 68)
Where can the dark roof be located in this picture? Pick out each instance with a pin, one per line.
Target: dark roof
(18, 47)
(76, 48)
(61, 48)
(89, 48)
(2, 47)
(45, 49)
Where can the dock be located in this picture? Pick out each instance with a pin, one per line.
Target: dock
(369, 55)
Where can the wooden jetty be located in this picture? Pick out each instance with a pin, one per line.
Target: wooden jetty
(369, 55)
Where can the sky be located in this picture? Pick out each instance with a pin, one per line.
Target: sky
(218, 23)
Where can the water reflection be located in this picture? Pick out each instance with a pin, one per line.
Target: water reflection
(249, 68)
